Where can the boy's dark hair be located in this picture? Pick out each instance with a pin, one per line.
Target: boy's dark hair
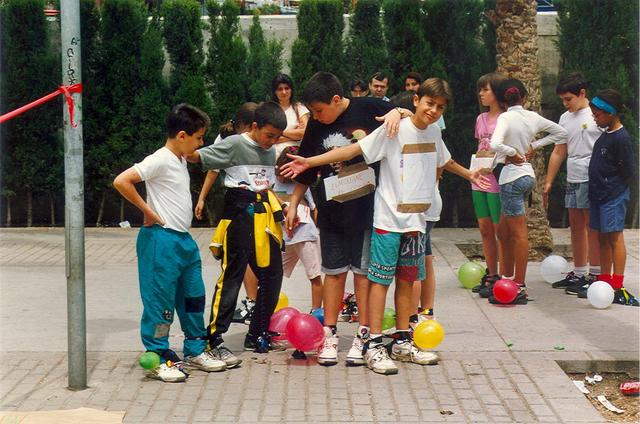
(414, 76)
(611, 96)
(244, 117)
(493, 80)
(187, 118)
(435, 87)
(270, 113)
(512, 92)
(380, 76)
(283, 158)
(404, 99)
(572, 83)
(281, 79)
(359, 84)
(321, 87)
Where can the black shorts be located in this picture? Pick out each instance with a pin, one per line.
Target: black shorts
(342, 252)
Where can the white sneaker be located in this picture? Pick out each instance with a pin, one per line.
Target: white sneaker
(168, 372)
(354, 357)
(377, 359)
(405, 351)
(225, 355)
(328, 353)
(206, 361)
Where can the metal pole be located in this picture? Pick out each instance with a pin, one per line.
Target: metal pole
(74, 199)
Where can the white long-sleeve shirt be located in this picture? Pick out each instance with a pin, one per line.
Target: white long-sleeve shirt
(514, 134)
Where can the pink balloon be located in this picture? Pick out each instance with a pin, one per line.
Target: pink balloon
(279, 322)
(305, 332)
(505, 291)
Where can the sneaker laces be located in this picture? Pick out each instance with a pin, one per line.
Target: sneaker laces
(223, 353)
(380, 354)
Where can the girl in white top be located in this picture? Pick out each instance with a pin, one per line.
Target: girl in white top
(297, 114)
(513, 140)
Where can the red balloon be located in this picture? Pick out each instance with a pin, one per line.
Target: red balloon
(279, 321)
(305, 332)
(505, 291)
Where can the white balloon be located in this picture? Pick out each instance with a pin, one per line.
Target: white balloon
(600, 294)
(554, 268)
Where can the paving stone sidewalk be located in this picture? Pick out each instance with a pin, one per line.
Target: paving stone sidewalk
(479, 379)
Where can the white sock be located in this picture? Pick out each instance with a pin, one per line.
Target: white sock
(580, 271)
(594, 269)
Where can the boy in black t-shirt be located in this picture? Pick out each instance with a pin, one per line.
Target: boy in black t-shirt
(344, 218)
(611, 168)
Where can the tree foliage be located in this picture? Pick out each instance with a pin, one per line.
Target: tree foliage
(366, 51)
(319, 45)
(263, 63)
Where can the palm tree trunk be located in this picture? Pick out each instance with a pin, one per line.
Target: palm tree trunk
(517, 57)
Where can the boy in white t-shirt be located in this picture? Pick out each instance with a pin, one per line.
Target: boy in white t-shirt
(407, 181)
(583, 133)
(169, 265)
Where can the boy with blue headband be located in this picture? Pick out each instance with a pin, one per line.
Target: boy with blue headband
(612, 167)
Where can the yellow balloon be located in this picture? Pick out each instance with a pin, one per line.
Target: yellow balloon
(283, 301)
(428, 334)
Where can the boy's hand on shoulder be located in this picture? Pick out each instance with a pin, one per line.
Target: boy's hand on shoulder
(294, 168)
(151, 218)
(391, 121)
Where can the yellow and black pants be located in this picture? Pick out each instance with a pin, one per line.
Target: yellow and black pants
(249, 233)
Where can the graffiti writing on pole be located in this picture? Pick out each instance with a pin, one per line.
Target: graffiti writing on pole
(71, 68)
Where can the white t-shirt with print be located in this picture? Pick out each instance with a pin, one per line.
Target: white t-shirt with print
(583, 133)
(404, 178)
(168, 188)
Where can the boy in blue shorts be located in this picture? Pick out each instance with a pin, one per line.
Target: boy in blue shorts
(612, 167)
(169, 265)
(408, 167)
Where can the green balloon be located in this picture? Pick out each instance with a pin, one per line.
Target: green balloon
(470, 274)
(388, 319)
(149, 360)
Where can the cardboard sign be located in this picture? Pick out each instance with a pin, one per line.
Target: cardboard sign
(482, 160)
(353, 182)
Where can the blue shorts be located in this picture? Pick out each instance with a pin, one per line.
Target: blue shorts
(342, 252)
(427, 238)
(513, 195)
(608, 217)
(577, 195)
(398, 255)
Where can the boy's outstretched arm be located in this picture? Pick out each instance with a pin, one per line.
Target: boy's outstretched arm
(125, 184)
(473, 176)
(300, 164)
(291, 220)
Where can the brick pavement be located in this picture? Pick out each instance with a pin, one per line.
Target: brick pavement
(479, 378)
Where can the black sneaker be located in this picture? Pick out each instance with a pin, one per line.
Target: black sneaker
(623, 297)
(521, 299)
(567, 281)
(582, 291)
(483, 282)
(261, 343)
(579, 284)
(487, 289)
(245, 310)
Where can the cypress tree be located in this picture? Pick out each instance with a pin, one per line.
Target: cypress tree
(408, 49)
(226, 63)
(465, 60)
(31, 146)
(263, 63)
(319, 44)
(366, 51)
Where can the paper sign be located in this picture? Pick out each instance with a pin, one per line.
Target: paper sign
(481, 162)
(304, 214)
(350, 184)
